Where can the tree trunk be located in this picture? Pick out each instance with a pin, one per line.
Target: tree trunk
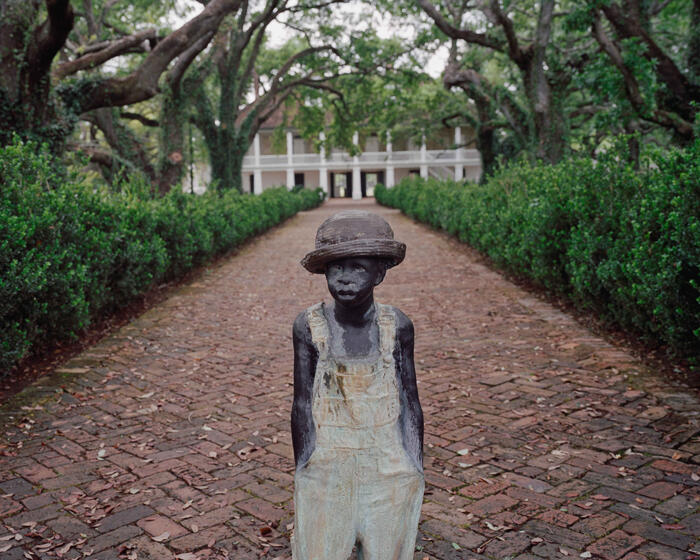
(548, 120)
(694, 44)
(226, 160)
(26, 55)
(174, 115)
(123, 142)
(486, 143)
(482, 93)
(172, 142)
(549, 128)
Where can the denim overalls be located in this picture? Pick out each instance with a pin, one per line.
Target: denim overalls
(359, 485)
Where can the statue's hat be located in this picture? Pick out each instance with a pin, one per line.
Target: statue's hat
(353, 233)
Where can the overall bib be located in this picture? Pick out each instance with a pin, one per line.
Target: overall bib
(359, 486)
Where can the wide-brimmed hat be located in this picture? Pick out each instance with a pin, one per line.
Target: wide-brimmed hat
(353, 233)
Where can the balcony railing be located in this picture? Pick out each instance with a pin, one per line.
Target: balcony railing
(343, 160)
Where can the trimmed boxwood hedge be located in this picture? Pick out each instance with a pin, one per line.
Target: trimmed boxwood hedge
(69, 253)
(618, 241)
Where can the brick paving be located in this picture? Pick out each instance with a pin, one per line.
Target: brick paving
(170, 438)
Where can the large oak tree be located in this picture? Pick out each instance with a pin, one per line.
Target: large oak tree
(42, 95)
(235, 88)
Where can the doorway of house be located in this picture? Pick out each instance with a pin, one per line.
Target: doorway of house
(341, 185)
(369, 180)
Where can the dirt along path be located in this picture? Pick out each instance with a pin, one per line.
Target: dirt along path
(170, 438)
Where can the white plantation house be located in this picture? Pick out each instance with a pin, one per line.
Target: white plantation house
(341, 175)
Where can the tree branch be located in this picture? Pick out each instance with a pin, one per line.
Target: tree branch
(142, 83)
(287, 66)
(122, 140)
(103, 14)
(657, 7)
(90, 18)
(257, 28)
(112, 50)
(185, 59)
(614, 54)
(95, 153)
(661, 117)
(456, 33)
(677, 83)
(145, 121)
(479, 89)
(516, 54)
(303, 8)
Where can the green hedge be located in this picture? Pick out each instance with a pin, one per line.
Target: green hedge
(618, 241)
(68, 253)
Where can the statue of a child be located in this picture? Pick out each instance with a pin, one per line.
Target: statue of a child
(357, 424)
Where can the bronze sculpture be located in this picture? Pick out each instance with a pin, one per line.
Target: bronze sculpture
(357, 424)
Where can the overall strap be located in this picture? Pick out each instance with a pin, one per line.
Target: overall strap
(387, 330)
(319, 330)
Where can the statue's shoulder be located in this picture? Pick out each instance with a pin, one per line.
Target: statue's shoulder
(404, 325)
(301, 324)
(302, 328)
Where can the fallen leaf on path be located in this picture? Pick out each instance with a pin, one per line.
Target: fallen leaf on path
(160, 538)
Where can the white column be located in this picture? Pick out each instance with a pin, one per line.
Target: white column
(423, 159)
(257, 171)
(290, 160)
(323, 172)
(356, 187)
(389, 179)
(459, 168)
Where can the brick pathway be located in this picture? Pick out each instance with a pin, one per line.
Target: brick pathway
(170, 438)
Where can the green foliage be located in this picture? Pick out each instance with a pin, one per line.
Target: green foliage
(69, 252)
(388, 92)
(622, 242)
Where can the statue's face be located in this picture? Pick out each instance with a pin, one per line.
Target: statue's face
(352, 280)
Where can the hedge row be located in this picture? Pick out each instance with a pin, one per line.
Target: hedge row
(618, 241)
(68, 253)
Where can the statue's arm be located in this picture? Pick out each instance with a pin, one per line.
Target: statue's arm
(411, 416)
(305, 358)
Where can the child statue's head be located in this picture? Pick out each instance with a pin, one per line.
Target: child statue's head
(354, 249)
